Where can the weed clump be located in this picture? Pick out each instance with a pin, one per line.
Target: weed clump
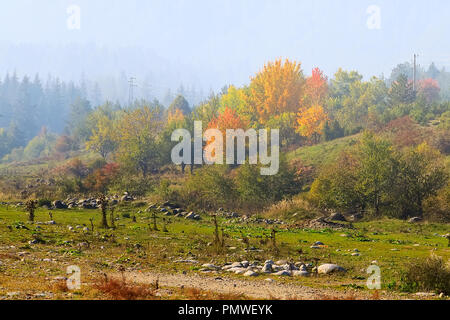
(431, 274)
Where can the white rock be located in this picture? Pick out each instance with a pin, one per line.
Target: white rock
(282, 273)
(250, 273)
(329, 268)
(239, 270)
(300, 273)
(245, 264)
(210, 266)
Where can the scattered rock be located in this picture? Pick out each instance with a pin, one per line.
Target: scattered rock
(267, 268)
(210, 266)
(425, 294)
(58, 204)
(186, 261)
(300, 273)
(329, 268)
(250, 273)
(337, 216)
(283, 273)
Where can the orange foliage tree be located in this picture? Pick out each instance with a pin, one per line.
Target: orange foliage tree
(429, 89)
(276, 89)
(228, 119)
(316, 89)
(100, 179)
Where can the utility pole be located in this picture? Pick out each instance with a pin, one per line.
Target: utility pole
(414, 73)
(132, 86)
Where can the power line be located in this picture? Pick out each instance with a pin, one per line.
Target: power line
(132, 86)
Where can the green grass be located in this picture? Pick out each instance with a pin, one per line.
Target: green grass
(323, 153)
(36, 166)
(134, 246)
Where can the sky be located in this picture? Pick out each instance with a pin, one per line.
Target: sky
(211, 43)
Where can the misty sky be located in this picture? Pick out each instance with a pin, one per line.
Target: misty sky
(218, 42)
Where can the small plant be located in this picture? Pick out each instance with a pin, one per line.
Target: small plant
(164, 225)
(111, 216)
(274, 240)
(44, 202)
(155, 227)
(92, 224)
(104, 207)
(50, 216)
(123, 290)
(430, 274)
(31, 206)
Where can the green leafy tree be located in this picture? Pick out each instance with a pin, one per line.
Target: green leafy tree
(137, 136)
(421, 175)
(377, 170)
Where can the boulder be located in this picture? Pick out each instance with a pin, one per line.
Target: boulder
(415, 219)
(267, 268)
(283, 273)
(300, 273)
(356, 217)
(210, 266)
(58, 204)
(337, 216)
(250, 273)
(329, 268)
(126, 197)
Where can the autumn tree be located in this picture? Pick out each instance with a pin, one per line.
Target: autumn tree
(311, 121)
(102, 139)
(316, 89)
(228, 119)
(429, 89)
(180, 104)
(276, 89)
(237, 99)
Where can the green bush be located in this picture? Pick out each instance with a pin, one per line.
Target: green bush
(44, 202)
(209, 188)
(431, 274)
(255, 190)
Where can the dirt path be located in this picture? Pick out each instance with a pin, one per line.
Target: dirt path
(257, 289)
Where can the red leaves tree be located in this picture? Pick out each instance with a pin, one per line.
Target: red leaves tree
(316, 89)
(429, 89)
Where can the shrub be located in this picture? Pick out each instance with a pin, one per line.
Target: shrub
(432, 274)
(297, 208)
(44, 202)
(210, 188)
(122, 290)
(256, 190)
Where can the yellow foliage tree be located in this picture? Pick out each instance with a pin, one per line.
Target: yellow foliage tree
(276, 89)
(175, 117)
(102, 139)
(310, 122)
